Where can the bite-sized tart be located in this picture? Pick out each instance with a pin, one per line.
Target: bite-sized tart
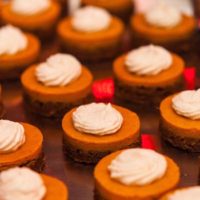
(135, 174)
(91, 34)
(36, 16)
(164, 25)
(18, 50)
(180, 120)
(52, 88)
(20, 145)
(183, 194)
(94, 130)
(146, 75)
(23, 183)
(121, 8)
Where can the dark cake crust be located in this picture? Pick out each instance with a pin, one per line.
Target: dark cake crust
(145, 96)
(52, 109)
(37, 164)
(88, 157)
(97, 196)
(184, 143)
(181, 46)
(96, 54)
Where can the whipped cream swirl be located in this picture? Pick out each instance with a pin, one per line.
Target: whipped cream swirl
(59, 70)
(91, 19)
(187, 104)
(12, 40)
(148, 60)
(138, 167)
(12, 136)
(21, 184)
(163, 16)
(29, 7)
(97, 119)
(186, 194)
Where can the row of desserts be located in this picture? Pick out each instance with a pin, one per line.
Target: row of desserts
(93, 130)
(129, 174)
(162, 24)
(19, 50)
(55, 86)
(62, 82)
(133, 171)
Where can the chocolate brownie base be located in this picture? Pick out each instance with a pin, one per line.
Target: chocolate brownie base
(89, 157)
(97, 196)
(2, 110)
(93, 53)
(124, 14)
(140, 96)
(52, 109)
(184, 143)
(180, 46)
(36, 164)
(12, 73)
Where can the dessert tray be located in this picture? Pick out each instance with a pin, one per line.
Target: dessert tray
(79, 177)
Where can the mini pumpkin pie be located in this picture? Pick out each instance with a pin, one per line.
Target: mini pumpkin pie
(146, 75)
(135, 174)
(18, 50)
(91, 34)
(183, 194)
(23, 183)
(52, 88)
(20, 145)
(120, 8)
(37, 16)
(180, 120)
(94, 130)
(164, 25)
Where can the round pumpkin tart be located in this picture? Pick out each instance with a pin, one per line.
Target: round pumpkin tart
(41, 23)
(87, 148)
(105, 43)
(28, 154)
(147, 90)
(152, 34)
(55, 101)
(109, 189)
(181, 132)
(11, 66)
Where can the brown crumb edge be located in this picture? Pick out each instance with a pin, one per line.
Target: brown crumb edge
(38, 164)
(52, 109)
(97, 196)
(141, 96)
(184, 143)
(99, 54)
(2, 110)
(180, 46)
(89, 157)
